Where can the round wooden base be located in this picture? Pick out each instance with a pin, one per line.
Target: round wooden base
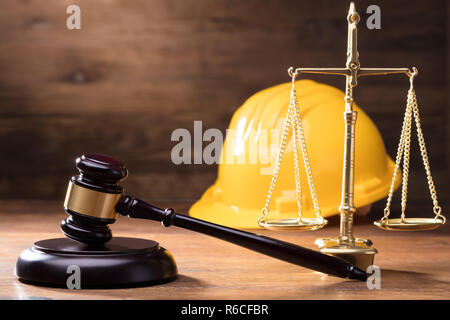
(120, 263)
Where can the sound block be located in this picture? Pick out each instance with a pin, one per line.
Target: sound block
(120, 263)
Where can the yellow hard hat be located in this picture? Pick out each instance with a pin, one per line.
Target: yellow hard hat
(245, 171)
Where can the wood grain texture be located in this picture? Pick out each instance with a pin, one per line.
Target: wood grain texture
(139, 69)
(414, 265)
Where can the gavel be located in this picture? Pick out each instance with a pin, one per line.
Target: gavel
(94, 199)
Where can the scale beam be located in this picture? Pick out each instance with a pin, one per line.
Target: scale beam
(348, 72)
(335, 71)
(383, 71)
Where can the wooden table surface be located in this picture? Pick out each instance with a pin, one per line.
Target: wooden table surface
(414, 265)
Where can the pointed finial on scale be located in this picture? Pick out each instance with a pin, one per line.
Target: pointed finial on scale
(352, 63)
(353, 16)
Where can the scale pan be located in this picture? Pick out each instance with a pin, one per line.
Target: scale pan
(409, 224)
(293, 223)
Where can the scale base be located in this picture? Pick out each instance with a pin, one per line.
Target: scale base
(361, 254)
(120, 263)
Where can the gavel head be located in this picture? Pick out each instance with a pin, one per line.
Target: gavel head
(91, 199)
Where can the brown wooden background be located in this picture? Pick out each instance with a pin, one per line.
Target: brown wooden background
(138, 69)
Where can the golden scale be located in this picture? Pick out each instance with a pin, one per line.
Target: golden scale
(355, 250)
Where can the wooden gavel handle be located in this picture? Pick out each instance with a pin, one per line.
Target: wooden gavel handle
(285, 251)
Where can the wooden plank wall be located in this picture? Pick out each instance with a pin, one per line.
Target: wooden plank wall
(139, 69)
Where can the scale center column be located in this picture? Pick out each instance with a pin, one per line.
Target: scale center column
(347, 207)
(357, 251)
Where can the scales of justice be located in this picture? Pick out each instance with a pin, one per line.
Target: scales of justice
(357, 251)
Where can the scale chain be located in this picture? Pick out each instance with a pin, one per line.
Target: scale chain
(398, 160)
(406, 157)
(280, 154)
(293, 120)
(412, 110)
(295, 135)
(436, 208)
(309, 176)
